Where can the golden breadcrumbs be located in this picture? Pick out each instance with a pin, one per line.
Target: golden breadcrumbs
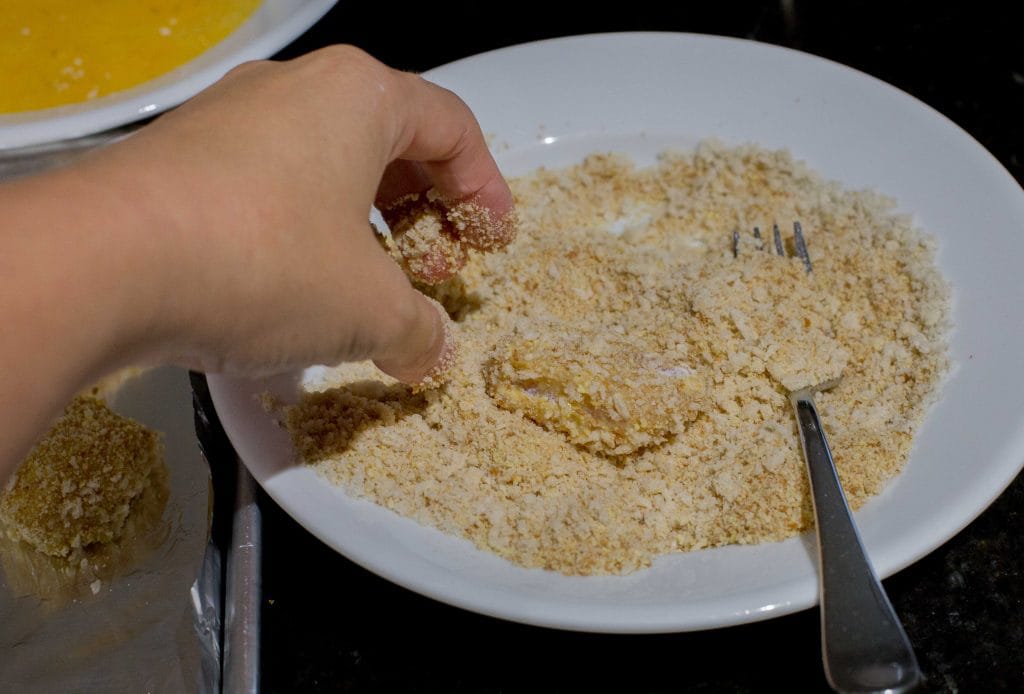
(421, 238)
(607, 394)
(622, 395)
(430, 236)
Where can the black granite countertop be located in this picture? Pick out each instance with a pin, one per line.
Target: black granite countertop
(328, 625)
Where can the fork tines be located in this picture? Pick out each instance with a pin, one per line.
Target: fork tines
(799, 243)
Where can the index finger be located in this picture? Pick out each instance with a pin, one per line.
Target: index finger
(440, 144)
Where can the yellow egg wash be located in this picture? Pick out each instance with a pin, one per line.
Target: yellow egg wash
(56, 52)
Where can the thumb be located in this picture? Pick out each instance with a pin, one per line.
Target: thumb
(362, 306)
(420, 348)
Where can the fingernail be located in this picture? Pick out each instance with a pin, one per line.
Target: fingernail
(438, 374)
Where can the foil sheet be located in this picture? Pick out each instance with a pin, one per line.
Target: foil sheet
(145, 614)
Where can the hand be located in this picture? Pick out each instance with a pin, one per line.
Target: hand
(270, 176)
(232, 235)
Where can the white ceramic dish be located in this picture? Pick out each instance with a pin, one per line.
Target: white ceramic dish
(550, 103)
(271, 27)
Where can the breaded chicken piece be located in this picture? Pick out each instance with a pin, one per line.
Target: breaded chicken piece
(605, 393)
(77, 485)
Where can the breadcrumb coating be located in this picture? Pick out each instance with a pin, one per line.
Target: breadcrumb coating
(480, 228)
(605, 394)
(614, 260)
(436, 377)
(431, 236)
(77, 485)
(423, 242)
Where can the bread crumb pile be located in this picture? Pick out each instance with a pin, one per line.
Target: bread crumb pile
(77, 485)
(549, 450)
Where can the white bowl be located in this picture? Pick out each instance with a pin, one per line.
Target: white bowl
(271, 27)
(552, 102)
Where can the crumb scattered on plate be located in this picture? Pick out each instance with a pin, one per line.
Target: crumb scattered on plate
(610, 257)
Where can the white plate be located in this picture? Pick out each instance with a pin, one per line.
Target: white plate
(550, 103)
(271, 27)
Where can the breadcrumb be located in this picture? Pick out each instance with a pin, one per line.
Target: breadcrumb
(77, 485)
(436, 377)
(605, 394)
(611, 259)
(423, 242)
(431, 235)
(480, 228)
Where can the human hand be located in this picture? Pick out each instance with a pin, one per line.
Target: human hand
(259, 190)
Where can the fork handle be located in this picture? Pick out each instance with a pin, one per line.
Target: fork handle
(864, 647)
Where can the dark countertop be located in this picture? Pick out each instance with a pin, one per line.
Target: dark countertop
(328, 625)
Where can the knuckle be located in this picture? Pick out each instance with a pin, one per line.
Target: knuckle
(344, 58)
(357, 73)
(247, 68)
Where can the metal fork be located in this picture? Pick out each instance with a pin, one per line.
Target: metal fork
(864, 647)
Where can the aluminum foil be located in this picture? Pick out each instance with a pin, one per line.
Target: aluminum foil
(145, 616)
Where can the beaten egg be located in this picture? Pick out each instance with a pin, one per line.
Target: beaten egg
(56, 52)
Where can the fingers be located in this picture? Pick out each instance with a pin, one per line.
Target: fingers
(444, 193)
(427, 246)
(408, 335)
(401, 178)
(432, 234)
(421, 348)
(439, 131)
(426, 368)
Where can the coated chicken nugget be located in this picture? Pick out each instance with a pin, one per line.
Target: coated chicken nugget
(605, 394)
